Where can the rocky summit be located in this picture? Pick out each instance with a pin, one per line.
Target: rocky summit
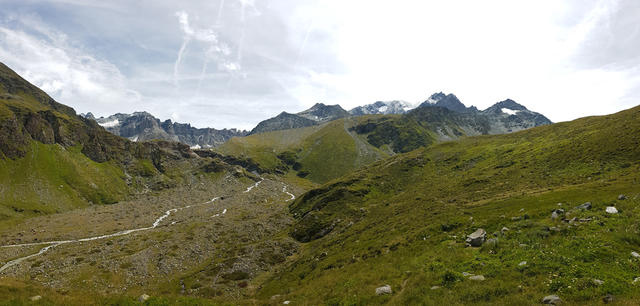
(382, 108)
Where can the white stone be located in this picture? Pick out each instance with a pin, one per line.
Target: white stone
(611, 210)
(386, 289)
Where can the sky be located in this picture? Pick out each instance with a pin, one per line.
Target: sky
(233, 63)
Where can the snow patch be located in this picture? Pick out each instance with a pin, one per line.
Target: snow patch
(196, 147)
(509, 111)
(113, 123)
(383, 109)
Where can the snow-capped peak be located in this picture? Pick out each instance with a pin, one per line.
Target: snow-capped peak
(382, 107)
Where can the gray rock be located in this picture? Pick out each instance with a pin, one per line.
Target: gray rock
(622, 197)
(286, 302)
(477, 238)
(35, 298)
(607, 299)
(522, 263)
(386, 289)
(585, 206)
(435, 287)
(598, 282)
(551, 299)
(635, 254)
(557, 213)
(636, 280)
(477, 278)
(504, 230)
(143, 298)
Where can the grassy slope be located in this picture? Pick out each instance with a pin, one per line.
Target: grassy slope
(51, 179)
(403, 221)
(325, 152)
(51, 160)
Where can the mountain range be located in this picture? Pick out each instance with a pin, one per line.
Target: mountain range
(141, 126)
(502, 117)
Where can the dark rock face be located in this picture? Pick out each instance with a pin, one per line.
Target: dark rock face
(449, 101)
(503, 117)
(141, 126)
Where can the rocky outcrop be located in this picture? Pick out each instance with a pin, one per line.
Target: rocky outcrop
(476, 239)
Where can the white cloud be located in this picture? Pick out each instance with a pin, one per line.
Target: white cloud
(47, 59)
(234, 63)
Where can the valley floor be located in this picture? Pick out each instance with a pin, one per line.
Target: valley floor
(207, 240)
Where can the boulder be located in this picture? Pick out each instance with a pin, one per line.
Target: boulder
(477, 278)
(435, 287)
(477, 238)
(611, 210)
(635, 254)
(557, 213)
(622, 197)
(35, 298)
(386, 289)
(607, 299)
(585, 206)
(551, 299)
(143, 298)
(522, 263)
(598, 282)
(504, 229)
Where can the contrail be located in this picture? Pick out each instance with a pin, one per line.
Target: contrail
(218, 20)
(202, 73)
(304, 43)
(185, 41)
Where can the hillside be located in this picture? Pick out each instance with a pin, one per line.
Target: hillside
(52, 160)
(318, 153)
(403, 221)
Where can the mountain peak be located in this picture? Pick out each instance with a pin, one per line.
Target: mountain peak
(382, 107)
(449, 101)
(323, 113)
